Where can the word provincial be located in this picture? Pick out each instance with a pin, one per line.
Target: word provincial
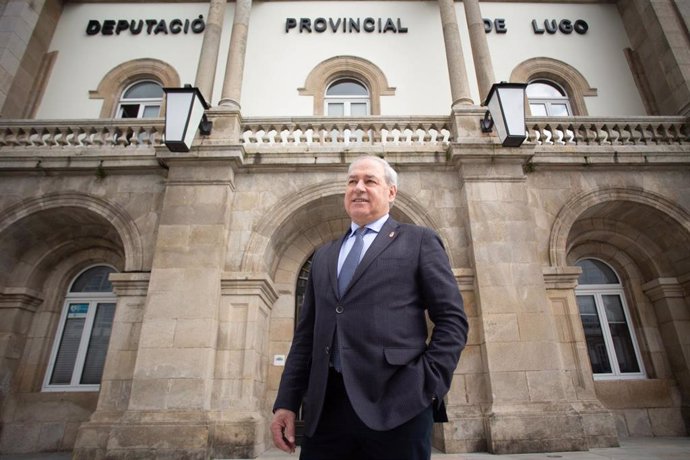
(348, 25)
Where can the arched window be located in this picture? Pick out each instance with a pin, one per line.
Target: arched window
(81, 342)
(611, 344)
(366, 79)
(547, 99)
(561, 80)
(141, 100)
(301, 287)
(347, 97)
(126, 75)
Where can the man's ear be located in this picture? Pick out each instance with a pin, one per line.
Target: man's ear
(392, 193)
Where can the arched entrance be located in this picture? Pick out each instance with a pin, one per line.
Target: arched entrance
(644, 239)
(45, 243)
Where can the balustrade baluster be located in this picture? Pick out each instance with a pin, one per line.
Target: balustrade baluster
(663, 133)
(24, 137)
(623, 134)
(10, 137)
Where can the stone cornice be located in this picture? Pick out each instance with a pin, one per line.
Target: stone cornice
(249, 284)
(130, 284)
(662, 288)
(22, 298)
(561, 277)
(464, 278)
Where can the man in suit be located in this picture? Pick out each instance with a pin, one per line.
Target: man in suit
(370, 379)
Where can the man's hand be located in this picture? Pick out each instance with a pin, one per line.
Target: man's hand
(283, 430)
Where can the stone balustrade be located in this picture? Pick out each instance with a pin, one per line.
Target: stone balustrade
(322, 133)
(607, 131)
(81, 133)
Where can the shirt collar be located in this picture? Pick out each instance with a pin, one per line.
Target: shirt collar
(374, 226)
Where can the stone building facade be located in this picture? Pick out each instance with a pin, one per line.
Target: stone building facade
(148, 297)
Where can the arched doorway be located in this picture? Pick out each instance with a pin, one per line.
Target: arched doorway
(632, 311)
(46, 243)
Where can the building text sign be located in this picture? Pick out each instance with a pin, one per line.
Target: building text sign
(146, 26)
(347, 25)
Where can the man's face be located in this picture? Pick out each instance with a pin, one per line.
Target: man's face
(368, 196)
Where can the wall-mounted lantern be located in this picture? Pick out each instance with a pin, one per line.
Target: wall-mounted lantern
(506, 104)
(184, 113)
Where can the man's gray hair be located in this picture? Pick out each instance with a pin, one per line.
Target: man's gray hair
(388, 172)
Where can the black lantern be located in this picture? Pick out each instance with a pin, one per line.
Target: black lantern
(506, 103)
(184, 113)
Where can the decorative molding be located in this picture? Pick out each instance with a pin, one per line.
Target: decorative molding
(249, 284)
(465, 278)
(663, 288)
(120, 77)
(21, 298)
(563, 277)
(339, 67)
(120, 219)
(130, 284)
(572, 81)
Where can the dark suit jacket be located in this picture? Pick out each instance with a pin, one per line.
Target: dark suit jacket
(390, 372)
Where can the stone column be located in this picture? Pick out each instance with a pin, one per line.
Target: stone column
(459, 85)
(673, 317)
(480, 48)
(234, 69)
(531, 395)
(208, 59)
(168, 409)
(118, 372)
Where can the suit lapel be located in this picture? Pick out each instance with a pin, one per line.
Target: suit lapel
(385, 237)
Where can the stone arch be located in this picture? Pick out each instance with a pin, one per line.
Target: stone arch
(572, 81)
(288, 229)
(99, 212)
(602, 202)
(339, 67)
(120, 77)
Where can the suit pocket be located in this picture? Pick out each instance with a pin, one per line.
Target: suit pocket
(402, 356)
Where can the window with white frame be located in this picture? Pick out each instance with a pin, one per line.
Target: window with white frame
(347, 97)
(81, 342)
(141, 100)
(547, 99)
(611, 343)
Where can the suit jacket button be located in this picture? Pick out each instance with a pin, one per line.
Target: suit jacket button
(339, 309)
(328, 349)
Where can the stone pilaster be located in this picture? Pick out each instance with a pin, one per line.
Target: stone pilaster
(208, 59)
(168, 410)
(118, 372)
(234, 69)
(18, 19)
(17, 308)
(598, 421)
(459, 85)
(673, 316)
(480, 48)
(530, 391)
(239, 406)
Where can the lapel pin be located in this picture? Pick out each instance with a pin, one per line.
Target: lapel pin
(391, 234)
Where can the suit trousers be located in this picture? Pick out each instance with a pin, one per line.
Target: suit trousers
(341, 435)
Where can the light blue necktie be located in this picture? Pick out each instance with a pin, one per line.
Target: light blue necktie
(344, 278)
